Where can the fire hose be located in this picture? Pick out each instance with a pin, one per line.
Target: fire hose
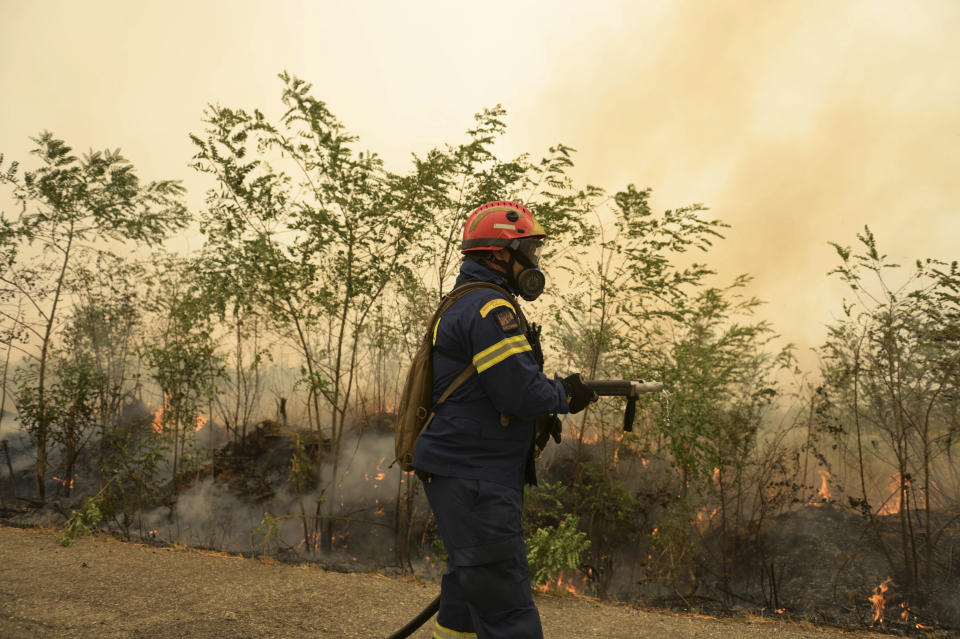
(418, 621)
(632, 390)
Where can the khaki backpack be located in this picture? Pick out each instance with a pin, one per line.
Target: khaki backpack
(416, 403)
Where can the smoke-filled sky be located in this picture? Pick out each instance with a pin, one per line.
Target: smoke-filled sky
(795, 122)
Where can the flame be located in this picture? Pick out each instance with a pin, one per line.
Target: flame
(891, 505)
(706, 514)
(824, 485)
(582, 435)
(824, 494)
(879, 602)
(564, 584)
(157, 423)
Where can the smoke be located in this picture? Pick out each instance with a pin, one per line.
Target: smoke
(365, 472)
(8, 424)
(214, 515)
(207, 514)
(795, 123)
(18, 443)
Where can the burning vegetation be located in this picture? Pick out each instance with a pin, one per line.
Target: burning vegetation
(241, 399)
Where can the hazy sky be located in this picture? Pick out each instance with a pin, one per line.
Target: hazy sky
(796, 122)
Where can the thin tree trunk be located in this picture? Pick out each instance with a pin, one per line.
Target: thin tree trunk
(13, 477)
(327, 541)
(3, 408)
(43, 418)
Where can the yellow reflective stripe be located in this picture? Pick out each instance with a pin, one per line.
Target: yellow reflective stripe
(435, 327)
(500, 351)
(439, 632)
(492, 304)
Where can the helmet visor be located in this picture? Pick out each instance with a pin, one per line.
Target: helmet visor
(531, 248)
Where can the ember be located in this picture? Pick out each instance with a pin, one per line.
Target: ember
(66, 483)
(907, 616)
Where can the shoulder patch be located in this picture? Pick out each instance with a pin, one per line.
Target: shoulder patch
(492, 304)
(507, 319)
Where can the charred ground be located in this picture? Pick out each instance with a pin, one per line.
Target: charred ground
(100, 588)
(816, 562)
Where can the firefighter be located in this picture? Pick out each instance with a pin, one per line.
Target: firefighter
(478, 450)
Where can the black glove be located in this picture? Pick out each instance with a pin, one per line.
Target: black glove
(548, 426)
(578, 395)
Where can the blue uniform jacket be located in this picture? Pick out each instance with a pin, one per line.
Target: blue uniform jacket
(466, 438)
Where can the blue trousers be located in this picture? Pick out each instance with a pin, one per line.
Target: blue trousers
(486, 589)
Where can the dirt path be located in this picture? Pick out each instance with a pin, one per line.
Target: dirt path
(103, 588)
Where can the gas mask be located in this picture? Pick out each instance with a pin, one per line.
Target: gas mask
(530, 282)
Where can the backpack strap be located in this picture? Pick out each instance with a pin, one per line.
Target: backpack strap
(448, 300)
(464, 375)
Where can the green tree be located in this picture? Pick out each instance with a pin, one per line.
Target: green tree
(891, 369)
(627, 291)
(183, 359)
(90, 373)
(68, 206)
(106, 327)
(721, 371)
(638, 307)
(233, 299)
(319, 229)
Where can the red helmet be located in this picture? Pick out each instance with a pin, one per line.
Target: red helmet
(499, 224)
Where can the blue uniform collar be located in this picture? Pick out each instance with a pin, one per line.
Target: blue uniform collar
(471, 270)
